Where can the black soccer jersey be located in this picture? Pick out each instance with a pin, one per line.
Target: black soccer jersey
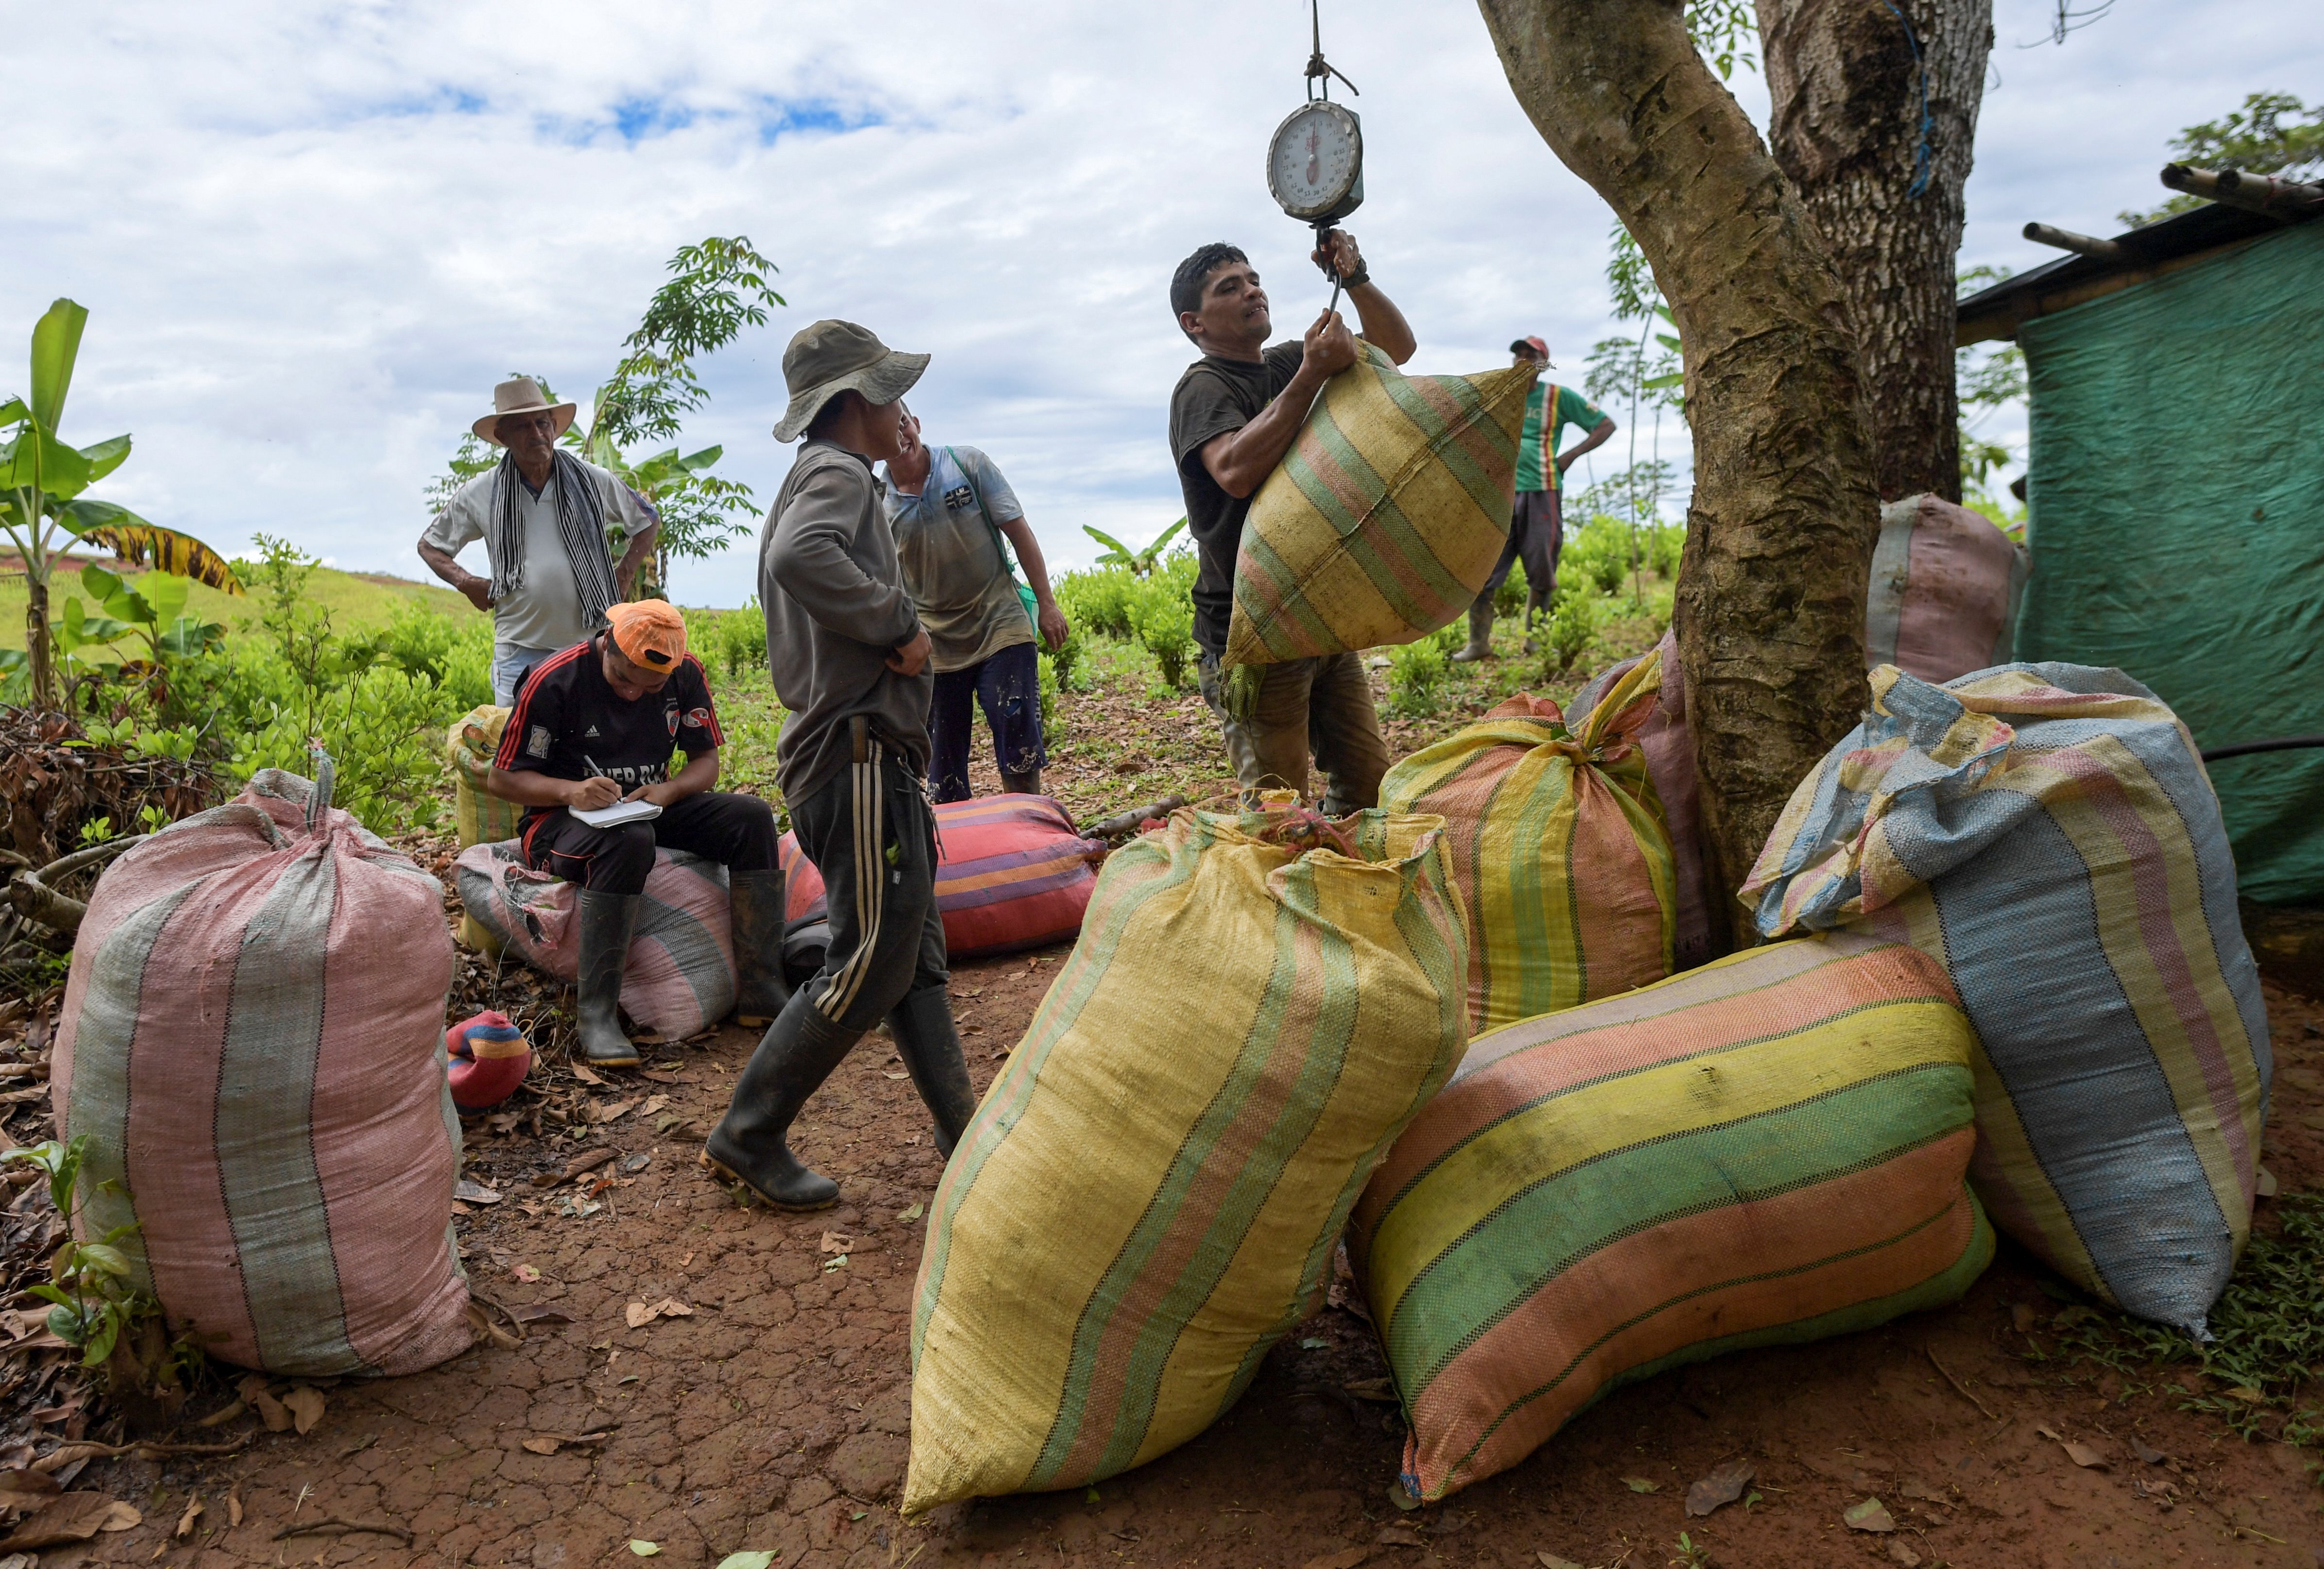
(570, 723)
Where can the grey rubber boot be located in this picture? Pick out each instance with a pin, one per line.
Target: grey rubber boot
(1021, 784)
(607, 922)
(755, 901)
(929, 1044)
(1481, 633)
(751, 1143)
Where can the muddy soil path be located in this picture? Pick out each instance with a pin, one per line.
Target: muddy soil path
(774, 1412)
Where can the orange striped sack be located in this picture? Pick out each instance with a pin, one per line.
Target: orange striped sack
(1152, 1191)
(1557, 844)
(1766, 1150)
(1385, 518)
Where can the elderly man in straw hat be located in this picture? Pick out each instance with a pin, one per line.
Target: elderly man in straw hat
(543, 516)
(850, 660)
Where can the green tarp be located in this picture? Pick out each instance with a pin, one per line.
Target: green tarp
(2177, 521)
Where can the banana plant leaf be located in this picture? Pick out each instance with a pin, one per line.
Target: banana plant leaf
(141, 543)
(56, 344)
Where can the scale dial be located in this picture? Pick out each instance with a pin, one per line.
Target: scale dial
(1316, 164)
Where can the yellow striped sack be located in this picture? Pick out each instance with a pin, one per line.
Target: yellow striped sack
(1152, 1190)
(1557, 845)
(1385, 518)
(1764, 1151)
(479, 819)
(2048, 834)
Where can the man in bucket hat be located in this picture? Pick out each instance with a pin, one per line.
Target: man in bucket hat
(598, 724)
(543, 516)
(850, 660)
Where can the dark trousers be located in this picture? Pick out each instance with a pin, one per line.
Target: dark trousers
(1538, 534)
(1008, 688)
(870, 832)
(738, 830)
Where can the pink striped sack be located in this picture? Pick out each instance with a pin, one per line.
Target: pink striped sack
(1669, 750)
(1944, 591)
(680, 979)
(252, 1044)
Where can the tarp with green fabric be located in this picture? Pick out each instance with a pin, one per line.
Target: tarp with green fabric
(2177, 521)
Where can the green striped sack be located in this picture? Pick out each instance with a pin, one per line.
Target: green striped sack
(252, 1042)
(1152, 1194)
(1385, 518)
(1766, 1150)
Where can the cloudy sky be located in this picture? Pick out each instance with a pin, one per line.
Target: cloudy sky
(311, 236)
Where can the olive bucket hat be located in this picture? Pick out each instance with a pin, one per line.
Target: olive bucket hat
(831, 357)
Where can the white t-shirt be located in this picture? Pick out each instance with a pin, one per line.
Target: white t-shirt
(545, 613)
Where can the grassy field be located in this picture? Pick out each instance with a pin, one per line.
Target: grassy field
(354, 599)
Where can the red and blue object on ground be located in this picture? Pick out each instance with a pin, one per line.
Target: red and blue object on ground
(489, 1058)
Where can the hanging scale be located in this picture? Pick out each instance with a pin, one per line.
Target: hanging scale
(1316, 162)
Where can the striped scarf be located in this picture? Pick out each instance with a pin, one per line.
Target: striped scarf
(580, 522)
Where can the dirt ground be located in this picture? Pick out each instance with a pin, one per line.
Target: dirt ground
(775, 1415)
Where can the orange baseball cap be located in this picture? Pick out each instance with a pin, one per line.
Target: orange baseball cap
(650, 632)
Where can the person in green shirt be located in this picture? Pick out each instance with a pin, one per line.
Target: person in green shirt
(1535, 529)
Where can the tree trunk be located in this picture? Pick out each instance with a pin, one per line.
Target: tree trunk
(38, 654)
(1779, 533)
(1847, 95)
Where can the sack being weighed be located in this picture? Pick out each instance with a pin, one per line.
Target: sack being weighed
(1385, 518)
(1764, 1151)
(1152, 1190)
(2048, 832)
(1556, 842)
(680, 976)
(251, 1040)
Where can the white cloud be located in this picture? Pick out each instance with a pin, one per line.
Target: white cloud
(311, 238)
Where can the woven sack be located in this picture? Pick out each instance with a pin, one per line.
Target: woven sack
(1669, 749)
(2048, 834)
(479, 819)
(1385, 518)
(1943, 594)
(1152, 1190)
(1012, 872)
(680, 976)
(251, 1041)
(1556, 842)
(1764, 1151)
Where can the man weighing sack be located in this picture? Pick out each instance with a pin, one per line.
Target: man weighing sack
(597, 726)
(543, 516)
(1234, 414)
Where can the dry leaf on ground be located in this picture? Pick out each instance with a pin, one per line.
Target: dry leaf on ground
(468, 1192)
(1721, 1486)
(1871, 1515)
(585, 1076)
(639, 1315)
(1378, 1391)
(1398, 1537)
(186, 1521)
(1640, 1484)
(1913, 1488)
(605, 1112)
(652, 1103)
(2021, 1316)
(1552, 1561)
(1900, 1553)
(523, 1272)
(911, 1211)
(2151, 1456)
(2082, 1455)
(234, 1506)
(837, 1242)
(306, 1407)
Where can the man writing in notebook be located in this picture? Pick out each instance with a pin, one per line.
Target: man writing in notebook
(595, 726)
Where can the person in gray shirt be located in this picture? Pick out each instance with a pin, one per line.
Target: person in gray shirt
(850, 662)
(543, 516)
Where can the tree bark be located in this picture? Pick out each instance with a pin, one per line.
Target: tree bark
(1847, 125)
(1779, 534)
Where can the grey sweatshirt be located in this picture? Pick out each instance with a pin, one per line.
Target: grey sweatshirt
(835, 609)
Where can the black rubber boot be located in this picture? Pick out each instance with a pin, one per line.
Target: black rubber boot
(1480, 631)
(1021, 784)
(755, 901)
(749, 1144)
(929, 1045)
(607, 921)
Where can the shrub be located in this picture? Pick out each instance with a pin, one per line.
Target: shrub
(1163, 618)
(1663, 544)
(1100, 599)
(737, 639)
(1573, 621)
(1416, 673)
(1067, 658)
(1509, 598)
(1599, 550)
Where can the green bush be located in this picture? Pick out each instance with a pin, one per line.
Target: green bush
(456, 652)
(1100, 598)
(1416, 673)
(1163, 618)
(733, 640)
(1509, 598)
(1662, 543)
(1600, 550)
(1067, 657)
(1573, 621)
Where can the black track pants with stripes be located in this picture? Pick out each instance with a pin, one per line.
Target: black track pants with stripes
(870, 832)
